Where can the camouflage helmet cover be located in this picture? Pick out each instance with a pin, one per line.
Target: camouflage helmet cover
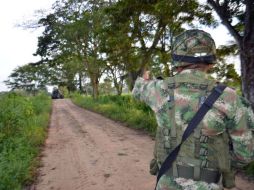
(194, 45)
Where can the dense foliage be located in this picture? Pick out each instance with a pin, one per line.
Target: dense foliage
(23, 123)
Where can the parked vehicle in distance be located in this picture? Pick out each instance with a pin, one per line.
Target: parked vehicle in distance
(56, 94)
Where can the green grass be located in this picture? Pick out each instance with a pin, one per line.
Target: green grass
(120, 108)
(23, 124)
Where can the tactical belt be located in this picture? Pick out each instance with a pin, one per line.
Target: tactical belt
(206, 106)
(187, 172)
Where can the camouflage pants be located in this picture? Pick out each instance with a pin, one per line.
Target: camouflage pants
(169, 183)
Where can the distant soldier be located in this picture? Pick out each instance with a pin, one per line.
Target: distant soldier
(223, 140)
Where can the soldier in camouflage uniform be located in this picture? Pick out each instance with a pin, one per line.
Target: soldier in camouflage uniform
(221, 143)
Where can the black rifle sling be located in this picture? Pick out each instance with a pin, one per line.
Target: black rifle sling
(206, 106)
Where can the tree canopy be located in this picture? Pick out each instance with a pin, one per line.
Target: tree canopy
(116, 39)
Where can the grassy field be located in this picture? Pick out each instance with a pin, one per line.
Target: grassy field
(23, 124)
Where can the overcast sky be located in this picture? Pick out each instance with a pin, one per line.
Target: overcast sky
(17, 45)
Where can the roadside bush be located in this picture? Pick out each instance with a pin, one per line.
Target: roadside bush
(120, 108)
(23, 123)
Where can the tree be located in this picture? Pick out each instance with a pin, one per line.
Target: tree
(144, 29)
(49, 42)
(28, 77)
(69, 72)
(225, 72)
(72, 31)
(106, 87)
(238, 17)
(114, 73)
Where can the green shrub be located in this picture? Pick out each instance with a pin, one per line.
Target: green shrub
(23, 123)
(14, 113)
(120, 108)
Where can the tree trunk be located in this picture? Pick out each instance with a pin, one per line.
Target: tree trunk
(247, 54)
(132, 76)
(95, 85)
(118, 86)
(80, 82)
(247, 72)
(119, 90)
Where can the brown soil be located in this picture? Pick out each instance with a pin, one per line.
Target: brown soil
(86, 151)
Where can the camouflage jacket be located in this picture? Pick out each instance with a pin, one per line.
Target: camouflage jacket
(185, 93)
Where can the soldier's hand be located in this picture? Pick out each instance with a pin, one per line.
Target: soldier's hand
(146, 75)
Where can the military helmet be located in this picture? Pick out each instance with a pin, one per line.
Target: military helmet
(193, 47)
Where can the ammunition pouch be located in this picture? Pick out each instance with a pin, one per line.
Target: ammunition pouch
(228, 179)
(221, 146)
(154, 168)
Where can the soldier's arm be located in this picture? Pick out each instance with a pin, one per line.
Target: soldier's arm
(140, 86)
(147, 90)
(241, 133)
(140, 89)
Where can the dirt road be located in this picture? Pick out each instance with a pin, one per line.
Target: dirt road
(86, 151)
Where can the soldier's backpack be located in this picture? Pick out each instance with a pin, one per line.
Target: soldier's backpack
(206, 106)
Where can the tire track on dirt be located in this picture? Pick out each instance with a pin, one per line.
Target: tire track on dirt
(117, 149)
